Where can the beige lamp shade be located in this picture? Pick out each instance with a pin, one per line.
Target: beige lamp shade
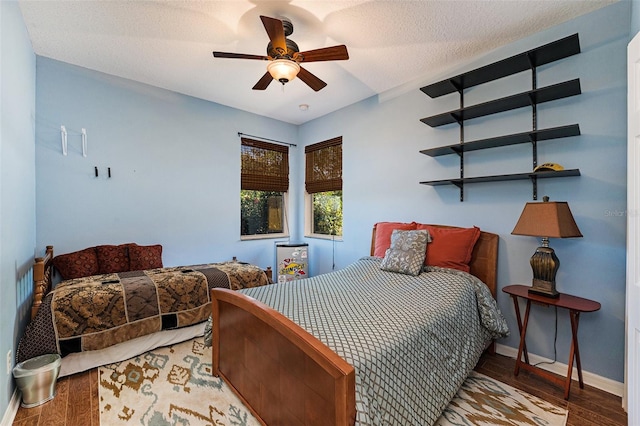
(551, 219)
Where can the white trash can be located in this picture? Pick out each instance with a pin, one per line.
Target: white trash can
(36, 379)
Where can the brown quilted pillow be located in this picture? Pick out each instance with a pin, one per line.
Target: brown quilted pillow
(83, 263)
(112, 259)
(145, 257)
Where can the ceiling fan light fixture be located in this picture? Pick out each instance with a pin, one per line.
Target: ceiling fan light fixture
(283, 70)
(284, 56)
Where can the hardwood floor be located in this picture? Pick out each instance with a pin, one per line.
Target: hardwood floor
(76, 403)
(587, 407)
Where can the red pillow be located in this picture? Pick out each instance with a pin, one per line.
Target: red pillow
(112, 259)
(78, 264)
(450, 247)
(383, 235)
(145, 257)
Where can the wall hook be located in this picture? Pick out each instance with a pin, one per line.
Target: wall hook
(84, 142)
(63, 137)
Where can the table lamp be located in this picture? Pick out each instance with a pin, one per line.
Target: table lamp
(548, 219)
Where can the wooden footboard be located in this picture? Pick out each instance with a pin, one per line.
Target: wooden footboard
(283, 374)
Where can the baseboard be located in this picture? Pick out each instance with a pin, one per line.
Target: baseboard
(12, 409)
(591, 379)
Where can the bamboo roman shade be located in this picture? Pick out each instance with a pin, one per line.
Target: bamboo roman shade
(324, 166)
(265, 166)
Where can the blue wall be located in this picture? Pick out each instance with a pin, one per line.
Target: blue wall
(17, 183)
(382, 138)
(174, 160)
(175, 174)
(635, 20)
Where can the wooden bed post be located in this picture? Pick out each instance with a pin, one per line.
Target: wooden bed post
(41, 279)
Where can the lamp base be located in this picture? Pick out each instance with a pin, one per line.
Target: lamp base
(544, 264)
(544, 288)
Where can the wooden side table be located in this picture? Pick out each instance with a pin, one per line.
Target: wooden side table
(575, 305)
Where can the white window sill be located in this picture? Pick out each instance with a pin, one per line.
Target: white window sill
(262, 237)
(325, 237)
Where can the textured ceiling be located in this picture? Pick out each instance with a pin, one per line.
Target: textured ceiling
(168, 44)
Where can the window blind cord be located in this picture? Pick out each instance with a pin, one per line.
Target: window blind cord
(555, 340)
(333, 252)
(286, 218)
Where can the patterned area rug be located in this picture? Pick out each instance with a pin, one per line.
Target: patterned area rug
(174, 386)
(169, 386)
(484, 401)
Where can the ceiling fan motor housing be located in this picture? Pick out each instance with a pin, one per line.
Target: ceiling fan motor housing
(287, 26)
(275, 53)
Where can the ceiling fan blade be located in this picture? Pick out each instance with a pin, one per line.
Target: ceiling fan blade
(263, 83)
(311, 80)
(239, 56)
(275, 31)
(334, 53)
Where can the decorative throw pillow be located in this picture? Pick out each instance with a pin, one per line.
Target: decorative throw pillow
(78, 264)
(407, 252)
(112, 259)
(451, 247)
(383, 235)
(145, 257)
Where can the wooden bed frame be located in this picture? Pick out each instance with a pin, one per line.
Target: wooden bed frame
(43, 276)
(283, 374)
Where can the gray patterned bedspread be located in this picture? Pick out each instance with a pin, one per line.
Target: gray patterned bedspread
(411, 340)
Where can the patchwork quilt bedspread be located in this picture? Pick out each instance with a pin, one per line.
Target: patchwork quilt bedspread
(96, 312)
(412, 340)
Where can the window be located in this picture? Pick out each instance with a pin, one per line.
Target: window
(264, 184)
(323, 183)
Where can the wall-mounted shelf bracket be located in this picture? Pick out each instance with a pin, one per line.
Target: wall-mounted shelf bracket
(534, 183)
(529, 60)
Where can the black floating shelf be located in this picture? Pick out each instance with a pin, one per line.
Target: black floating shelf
(516, 138)
(517, 176)
(532, 97)
(554, 51)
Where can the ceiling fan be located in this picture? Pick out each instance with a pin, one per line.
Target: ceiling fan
(284, 56)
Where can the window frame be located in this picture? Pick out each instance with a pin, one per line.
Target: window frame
(308, 221)
(308, 197)
(254, 182)
(285, 224)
